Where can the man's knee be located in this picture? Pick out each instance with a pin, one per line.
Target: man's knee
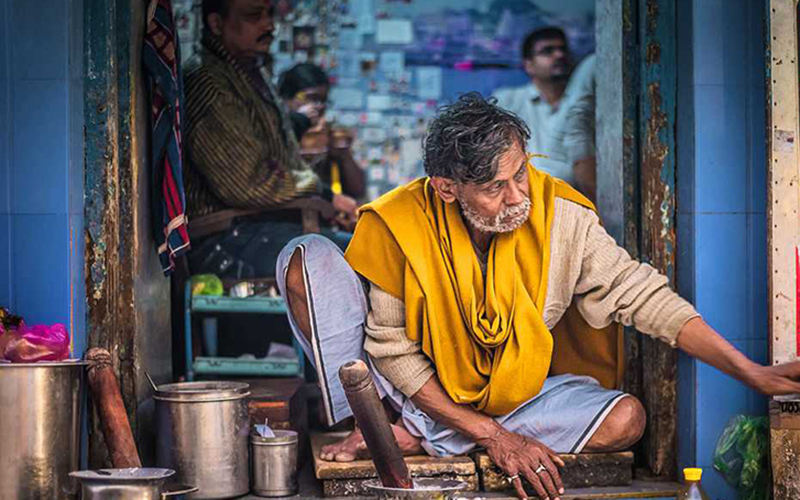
(314, 247)
(621, 429)
(295, 283)
(627, 422)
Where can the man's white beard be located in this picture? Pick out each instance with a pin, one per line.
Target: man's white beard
(507, 220)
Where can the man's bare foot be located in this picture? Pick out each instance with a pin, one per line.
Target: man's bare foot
(353, 446)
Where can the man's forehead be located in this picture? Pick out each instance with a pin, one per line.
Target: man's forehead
(550, 42)
(512, 157)
(508, 164)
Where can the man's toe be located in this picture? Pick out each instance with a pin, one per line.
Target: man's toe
(345, 456)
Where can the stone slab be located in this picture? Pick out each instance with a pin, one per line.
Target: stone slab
(583, 470)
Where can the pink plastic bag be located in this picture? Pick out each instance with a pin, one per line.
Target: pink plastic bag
(29, 344)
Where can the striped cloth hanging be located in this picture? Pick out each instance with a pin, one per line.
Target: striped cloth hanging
(162, 65)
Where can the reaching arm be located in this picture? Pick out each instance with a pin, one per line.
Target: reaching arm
(700, 341)
(612, 286)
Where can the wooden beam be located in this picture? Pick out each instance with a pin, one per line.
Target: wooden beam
(783, 229)
(657, 235)
(127, 297)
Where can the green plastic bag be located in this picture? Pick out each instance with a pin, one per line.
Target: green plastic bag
(742, 456)
(206, 284)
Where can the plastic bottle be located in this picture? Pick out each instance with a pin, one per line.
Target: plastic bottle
(691, 489)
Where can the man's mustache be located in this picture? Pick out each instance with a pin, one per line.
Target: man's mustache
(265, 36)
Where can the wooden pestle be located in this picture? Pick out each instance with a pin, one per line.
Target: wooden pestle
(375, 427)
(107, 398)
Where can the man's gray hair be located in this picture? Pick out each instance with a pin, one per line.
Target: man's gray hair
(466, 139)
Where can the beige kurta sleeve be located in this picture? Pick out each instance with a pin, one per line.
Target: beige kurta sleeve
(614, 287)
(398, 358)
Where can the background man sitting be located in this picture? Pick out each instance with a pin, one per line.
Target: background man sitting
(242, 153)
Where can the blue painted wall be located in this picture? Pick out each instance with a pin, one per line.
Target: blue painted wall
(41, 162)
(721, 211)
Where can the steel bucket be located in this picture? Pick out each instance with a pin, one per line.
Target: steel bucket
(40, 417)
(129, 484)
(202, 432)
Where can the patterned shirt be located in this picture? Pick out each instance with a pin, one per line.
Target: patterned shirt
(238, 149)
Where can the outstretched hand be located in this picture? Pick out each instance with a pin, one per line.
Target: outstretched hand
(776, 380)
(520, 456)
(699, 340)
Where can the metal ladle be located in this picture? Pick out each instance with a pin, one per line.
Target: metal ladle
(150, 379)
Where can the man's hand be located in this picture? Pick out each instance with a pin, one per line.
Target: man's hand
(522, 456)
(513, 453)
(775, 380)
(312, 111)
(346, 209)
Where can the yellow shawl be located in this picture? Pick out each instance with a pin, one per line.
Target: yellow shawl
(487, 340)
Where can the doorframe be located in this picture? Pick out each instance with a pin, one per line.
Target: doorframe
(783, 232)
(636, 147)
(128, 297)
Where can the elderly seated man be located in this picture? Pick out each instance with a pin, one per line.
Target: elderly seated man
(487, 299)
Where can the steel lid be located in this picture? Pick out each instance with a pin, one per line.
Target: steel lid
(192, 392)
(123, 475)
(281, 437)
(67, 363)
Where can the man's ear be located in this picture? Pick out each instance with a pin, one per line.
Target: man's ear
(528, 66)
(215, 24)
(445, 188)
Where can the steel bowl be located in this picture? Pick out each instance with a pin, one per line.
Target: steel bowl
(424, 489)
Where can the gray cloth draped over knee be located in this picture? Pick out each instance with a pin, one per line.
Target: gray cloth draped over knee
(563, 416)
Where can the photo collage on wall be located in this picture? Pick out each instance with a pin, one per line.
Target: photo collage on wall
(392, 63)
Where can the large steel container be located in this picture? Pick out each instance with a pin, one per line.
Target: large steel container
(40, 417)
(202, 432)
(129, 484)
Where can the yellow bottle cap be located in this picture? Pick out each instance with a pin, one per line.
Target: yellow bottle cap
(692, 474)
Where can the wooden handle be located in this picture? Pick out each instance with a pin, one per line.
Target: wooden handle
(371, 418)
(107, 399)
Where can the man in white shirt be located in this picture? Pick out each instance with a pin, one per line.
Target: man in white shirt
(543, 104)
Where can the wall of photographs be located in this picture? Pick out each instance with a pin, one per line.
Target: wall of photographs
(394, 62)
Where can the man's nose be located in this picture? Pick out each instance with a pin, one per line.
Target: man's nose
(514, 195)
(268, 23)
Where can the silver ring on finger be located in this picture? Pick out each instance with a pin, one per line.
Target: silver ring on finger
(540, 469)
(512, 478)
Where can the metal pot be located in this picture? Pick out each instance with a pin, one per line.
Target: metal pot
(129, 484)
(40, 415)
(202, 432)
